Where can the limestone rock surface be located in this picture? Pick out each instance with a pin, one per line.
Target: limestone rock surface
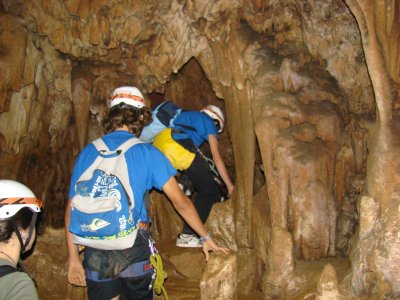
(292, 79)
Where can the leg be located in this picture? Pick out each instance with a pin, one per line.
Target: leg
(207, 189)
(99, 289)
(103, 290)
(135, 281)
(185, 184)
(136, 288)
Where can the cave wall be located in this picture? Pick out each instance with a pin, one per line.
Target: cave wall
(294, 84)
(35, 118)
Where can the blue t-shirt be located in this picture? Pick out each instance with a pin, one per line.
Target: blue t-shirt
(147, 168)
(202, 123)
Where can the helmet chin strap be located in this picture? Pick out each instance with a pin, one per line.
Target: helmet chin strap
(21, 241)
(18, 233)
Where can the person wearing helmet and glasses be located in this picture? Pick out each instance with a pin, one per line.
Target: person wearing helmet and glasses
(19, 209)
(199, 127)
(147, 168)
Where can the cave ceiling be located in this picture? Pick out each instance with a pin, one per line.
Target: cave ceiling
(151, 40)
(55, 51)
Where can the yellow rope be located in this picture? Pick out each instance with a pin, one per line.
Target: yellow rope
(156, 261)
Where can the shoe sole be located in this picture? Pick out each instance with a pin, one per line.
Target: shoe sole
(189, 246)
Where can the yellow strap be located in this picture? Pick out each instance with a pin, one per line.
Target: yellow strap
(156, 261)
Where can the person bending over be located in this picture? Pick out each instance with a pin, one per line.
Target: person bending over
(190, 130)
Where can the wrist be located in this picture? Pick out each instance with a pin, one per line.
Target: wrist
(74, 258)
(205, 238)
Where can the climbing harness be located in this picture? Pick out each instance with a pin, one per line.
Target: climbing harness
(159, 275)
(210, 162)
(217, 178)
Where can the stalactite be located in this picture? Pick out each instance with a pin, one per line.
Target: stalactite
(290, 76)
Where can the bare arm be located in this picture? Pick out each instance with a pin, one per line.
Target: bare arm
(219, 163)
(186, 209)
(76, 272)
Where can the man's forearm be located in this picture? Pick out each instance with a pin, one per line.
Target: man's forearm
(73, 250)
(219, 162)
(184, 207)
(224, 174)
(191, 216)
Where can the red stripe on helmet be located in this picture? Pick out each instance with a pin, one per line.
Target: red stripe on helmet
(19, 200)
(215, 113)
(129, 96)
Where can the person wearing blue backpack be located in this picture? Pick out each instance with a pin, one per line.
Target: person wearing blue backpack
(180, 143)
(110, 268)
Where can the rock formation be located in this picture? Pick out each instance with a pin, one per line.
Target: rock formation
(310, 89)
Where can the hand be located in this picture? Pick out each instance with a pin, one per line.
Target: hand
(210, 245)
(76, 273)
(230, 189)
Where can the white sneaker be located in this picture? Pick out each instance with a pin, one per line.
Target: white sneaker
(188, 241)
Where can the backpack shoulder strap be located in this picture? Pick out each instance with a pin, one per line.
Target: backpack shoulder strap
(100, 145)
(103, 151)
(7, 269)
(129, 143)
(122, 167)
(162, 104)
(112, 162)
(108, 159)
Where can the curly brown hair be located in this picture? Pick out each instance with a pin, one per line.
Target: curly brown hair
(22, 219)
(134, 118)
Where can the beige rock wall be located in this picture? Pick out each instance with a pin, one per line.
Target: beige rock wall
(292, 78)
(298, 130)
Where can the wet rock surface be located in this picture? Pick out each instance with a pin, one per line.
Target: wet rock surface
(310, 90)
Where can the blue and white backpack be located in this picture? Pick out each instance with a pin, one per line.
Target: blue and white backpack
(102, 208)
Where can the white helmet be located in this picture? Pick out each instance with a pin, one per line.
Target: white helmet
(15, 196)
(129, 95)
(216, 114)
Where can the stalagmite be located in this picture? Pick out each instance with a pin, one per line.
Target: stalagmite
(219, 281)
(328, 287)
